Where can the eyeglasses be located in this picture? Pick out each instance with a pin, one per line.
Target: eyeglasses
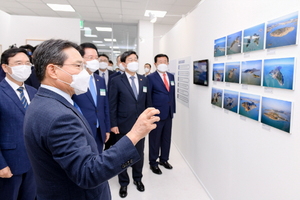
(20, 63)
(79, 66)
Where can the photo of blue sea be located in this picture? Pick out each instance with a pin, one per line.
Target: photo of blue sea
(254, 38)
(276, 113)
(232, 72)
(249, 105)
(234, 43)
(251, 72)
(279, 73)
(231, 100)
(218, 72)
(219, 47)
(216, 97)
(282, 31)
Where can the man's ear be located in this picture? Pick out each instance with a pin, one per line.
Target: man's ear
(51, 71)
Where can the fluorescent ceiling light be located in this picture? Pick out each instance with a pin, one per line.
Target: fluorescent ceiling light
(117, 51)
(100, 45)
(97, 41)
(114, 47)
(107, 29)
(61, 7)
(109, 40)
(156, 13)
(90, 36)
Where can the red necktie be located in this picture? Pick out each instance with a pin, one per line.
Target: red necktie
(166, 82)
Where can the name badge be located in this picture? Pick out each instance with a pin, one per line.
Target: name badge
(172, 83)
(102, 92)
(144, 89)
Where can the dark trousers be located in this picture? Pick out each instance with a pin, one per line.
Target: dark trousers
(111, 141)
(137, 168)
(160, 140)
(18, 187)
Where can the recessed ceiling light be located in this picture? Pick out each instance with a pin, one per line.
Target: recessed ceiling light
(61, 7)
(97, 41)
(90, 36)
(117, 51)
(109, 40)
(107, 29)
(114, 47)
(156, 13)
(100, 45)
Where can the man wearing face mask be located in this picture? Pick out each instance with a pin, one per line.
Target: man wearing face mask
(103, 68)
(94, 103)
(162, 90)
(147, 68)
(128, 98)
(16, 175)
(60, 143)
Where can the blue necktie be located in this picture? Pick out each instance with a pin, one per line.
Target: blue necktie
(133, 86)
(22, 97)
(77, 107)
(93, 90)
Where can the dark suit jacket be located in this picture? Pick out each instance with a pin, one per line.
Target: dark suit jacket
(12, 146)
(64, 154)
(124, 108)
(162, 100)
(92, 113)
(32, 79)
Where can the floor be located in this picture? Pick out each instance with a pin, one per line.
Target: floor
(178, 183)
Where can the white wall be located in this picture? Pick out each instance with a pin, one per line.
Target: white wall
(235, 159)
(16, 29)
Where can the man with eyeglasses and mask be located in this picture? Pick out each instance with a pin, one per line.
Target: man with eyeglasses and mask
(94, 103)
(60, 143)
(16, 175)
(128, 98)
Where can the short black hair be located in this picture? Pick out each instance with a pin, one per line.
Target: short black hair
(126, 54)
(50, 52)
(159, 56)
(11, 53)
(104, 56)
(87, 45)
(147, 64)
(111, 62)
(27, 46)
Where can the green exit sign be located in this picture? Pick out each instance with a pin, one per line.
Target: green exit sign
(81, 23)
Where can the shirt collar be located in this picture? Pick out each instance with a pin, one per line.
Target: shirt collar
(14, 85)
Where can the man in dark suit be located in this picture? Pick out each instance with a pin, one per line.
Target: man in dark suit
(162, 90)
(103, 71)
(94, 103)
(60, 144)
(16, 175)
(128, 98)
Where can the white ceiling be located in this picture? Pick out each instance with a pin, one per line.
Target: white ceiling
(116, 11)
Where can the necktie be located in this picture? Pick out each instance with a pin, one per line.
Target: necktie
(22, 97)
(103, 76)
(133, 87)
(77, 107)
(93, 90)
(166, 82)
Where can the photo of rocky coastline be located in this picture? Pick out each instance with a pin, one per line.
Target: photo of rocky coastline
(254, 38)
(234, 43)
(219, 47)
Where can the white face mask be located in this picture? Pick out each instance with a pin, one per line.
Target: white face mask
(162, 67)
(21, 72)
(121, 67)
(110, 68)
(133, 66)
(80, 81)
(103, 65)
(147, 70)
(92, 65)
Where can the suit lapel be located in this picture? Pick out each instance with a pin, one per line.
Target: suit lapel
(7, 89)
(160, 81)
(127, 84)
(141, 85)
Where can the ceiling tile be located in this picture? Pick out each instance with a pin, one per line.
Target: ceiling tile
(82, 2)
(85, 9)
(109, 4)
(112, 11)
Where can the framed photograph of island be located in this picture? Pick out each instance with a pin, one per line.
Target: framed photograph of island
(201, 72)
(231, 99)
(216, 97)
(253, 38)
(220, 47)
(282, 31)
(232, 72)
(279, 73)
(251, 72)
(249, 105)
(276, 113)
(218, 72)
(234, 43)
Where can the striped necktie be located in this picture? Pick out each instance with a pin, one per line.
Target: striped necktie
(134, 87)
(22, 97)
